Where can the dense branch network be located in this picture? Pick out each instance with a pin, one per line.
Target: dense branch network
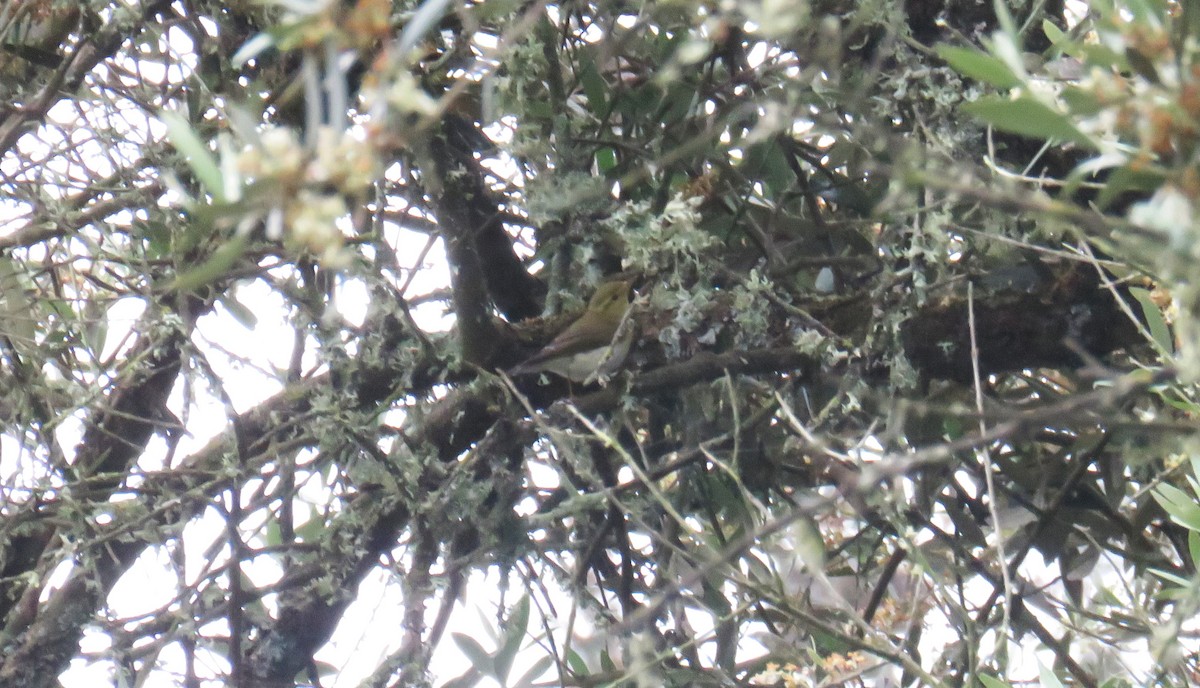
(791, 448)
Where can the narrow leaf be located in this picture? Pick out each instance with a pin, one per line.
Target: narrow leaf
(1172, 578)
(1027, 117)
(475, 653)
(1008, 24)
(606, 662)
(239, 311)
(539, 667)
(1180, 505)
(1128, 178)
(202, 162)
(979, 66)
(1052, 32)
(216, 267)
(594, 87)
(1155, 322)
(576, 663)
(1049, 680)
(513, 635)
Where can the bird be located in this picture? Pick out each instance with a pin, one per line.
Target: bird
(589, 348)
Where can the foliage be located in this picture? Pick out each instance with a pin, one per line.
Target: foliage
(912, 398)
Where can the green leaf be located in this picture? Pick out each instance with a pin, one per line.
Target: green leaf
(1027, 117)
(606, 663)
(759, 571)
(95, 326)
(1007, 23)
(576, 663)
(979, 66)
(540, 110)
(216, 267)
(158, 238)
(273, 533)
(1081, 101)
(202, 162)
(1104, 57)
(768, 162)
(1155, 321)
(310, 530)
(245, 317)
(1147, 11)
(1195, 461)
(539, 667)
(1172, 578)
(1053, 33)
(1180, 505)
(513, 635)
(993, 682)
(1049, 680)
(475, 653)
(953, 428)
(1192, 481)
(1127, 178)
(606, 160)
(594, 87)
(677, 101)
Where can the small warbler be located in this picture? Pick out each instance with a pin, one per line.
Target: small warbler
(589, 348)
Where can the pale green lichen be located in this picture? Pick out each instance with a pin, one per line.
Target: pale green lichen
(670, 242)
(554, 195)
(751, 309)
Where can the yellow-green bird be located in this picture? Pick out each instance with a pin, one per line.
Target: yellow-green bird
(586, 349)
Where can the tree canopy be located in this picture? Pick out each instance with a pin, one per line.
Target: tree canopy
(911, 397)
